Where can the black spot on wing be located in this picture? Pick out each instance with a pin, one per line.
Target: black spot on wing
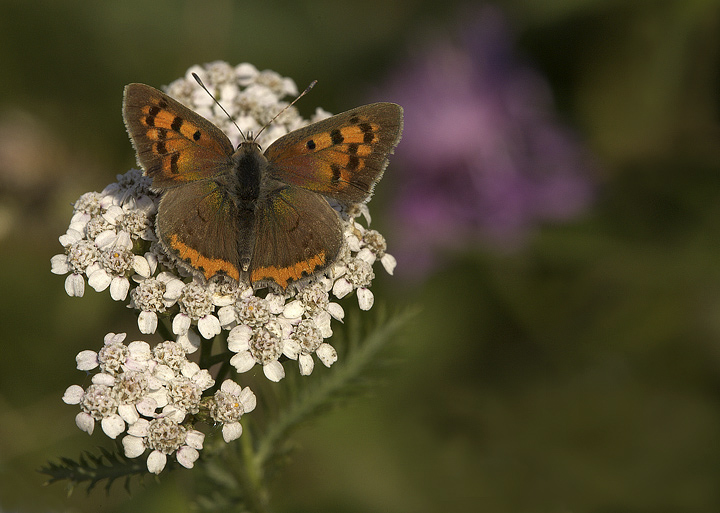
(335, 174)
(368, 135)
(353, 163)
(174, 163)
(336, 137)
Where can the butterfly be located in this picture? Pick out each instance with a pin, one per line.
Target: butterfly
(261, 218)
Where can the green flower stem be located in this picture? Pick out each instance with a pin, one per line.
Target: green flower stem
(223, 357)
(343, 381)
(164, 329)
(206, 352)
(239, 478)
(253, 472)
(220, 377)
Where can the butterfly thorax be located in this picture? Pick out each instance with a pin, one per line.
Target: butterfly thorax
(249, 165)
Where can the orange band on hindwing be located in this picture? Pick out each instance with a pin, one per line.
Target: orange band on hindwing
(284, 275)
(209, 267)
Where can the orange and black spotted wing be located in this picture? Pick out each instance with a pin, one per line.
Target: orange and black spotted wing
(174, 145)
(341, 157)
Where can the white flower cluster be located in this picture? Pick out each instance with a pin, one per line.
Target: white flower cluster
(111, 243)
(102, 234)
(154, 396)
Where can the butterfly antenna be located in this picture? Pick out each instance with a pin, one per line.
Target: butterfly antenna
(200, 82)
(306, 91)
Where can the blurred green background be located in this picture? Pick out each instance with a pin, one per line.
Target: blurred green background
(580, 373)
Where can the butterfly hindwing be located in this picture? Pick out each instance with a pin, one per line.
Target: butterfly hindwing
(198, 224)
(341, 157)
(174, 145)
(297, 235)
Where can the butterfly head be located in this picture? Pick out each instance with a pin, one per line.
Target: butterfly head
(249, 143)
(250, 138)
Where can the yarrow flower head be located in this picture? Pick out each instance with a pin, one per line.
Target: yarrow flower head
(499, 162)
(155, 396)
(111, 244)
(229, 404)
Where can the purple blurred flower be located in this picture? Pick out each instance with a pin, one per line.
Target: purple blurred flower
(482, 158)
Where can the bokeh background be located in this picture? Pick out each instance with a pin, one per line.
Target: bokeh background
(555, 216)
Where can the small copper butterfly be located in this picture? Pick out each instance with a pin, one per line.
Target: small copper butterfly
(259, 218)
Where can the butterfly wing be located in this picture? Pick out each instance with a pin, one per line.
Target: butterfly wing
(341, 157)
(198, 224)
(174, 145)
(298, 234)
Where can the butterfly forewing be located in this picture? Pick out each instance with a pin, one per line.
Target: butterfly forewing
(173, 144)
(342, 157)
